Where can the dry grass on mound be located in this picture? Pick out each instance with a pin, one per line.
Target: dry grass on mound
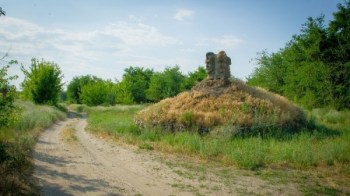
(211, 104)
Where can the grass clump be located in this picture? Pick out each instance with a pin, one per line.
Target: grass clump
(16, 144)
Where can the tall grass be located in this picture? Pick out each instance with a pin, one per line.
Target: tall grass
(327, 144)
(16, 144)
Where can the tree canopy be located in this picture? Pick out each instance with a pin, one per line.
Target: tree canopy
(42, 82)
(313, 69)
(138, 85)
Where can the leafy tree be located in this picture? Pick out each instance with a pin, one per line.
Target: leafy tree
(194, 77)
(98, 93)
(271, 72)
(42, 82)
(165, 84)
(124, 92)
(313, 69)
(74, 88)
(306, 78)
(335, 49)
(9, 112)
(2, 12)
(156, 87)
(137, 79)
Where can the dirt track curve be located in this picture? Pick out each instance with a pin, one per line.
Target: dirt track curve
(93, 166)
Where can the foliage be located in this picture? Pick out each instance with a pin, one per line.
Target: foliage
(138, 85)
(194, 77)
(9, 112)
(313, 69)
(74, 88)
(138, 80)
(16, 144)
(326, 145)
(42, 82)
(165, 84)
(2, 12)
(124, 92)
(335, 48)
(98, 93)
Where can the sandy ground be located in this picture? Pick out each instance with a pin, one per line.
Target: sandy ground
(89, 165)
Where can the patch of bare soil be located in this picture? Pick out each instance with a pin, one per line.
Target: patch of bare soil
(93, 166)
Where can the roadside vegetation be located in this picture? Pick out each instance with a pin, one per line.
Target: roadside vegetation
(17, 142)
(317, 160)
(312, 70)
(21, 121)
(327, 145)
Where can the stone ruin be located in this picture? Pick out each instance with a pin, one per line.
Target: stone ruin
(218, 66)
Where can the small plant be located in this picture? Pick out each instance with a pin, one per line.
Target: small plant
(146, 146)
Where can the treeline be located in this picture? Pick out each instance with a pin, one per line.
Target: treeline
(313, 68)
(138, 85)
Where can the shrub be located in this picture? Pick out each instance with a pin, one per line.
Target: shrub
(9, 112)
(42, 82)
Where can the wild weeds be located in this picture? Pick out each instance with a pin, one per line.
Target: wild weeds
(253, 148)
(16, 144)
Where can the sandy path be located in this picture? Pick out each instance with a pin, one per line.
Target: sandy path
(92, 166)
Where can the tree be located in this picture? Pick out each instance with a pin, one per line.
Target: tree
(298, 70)
(2, 12)
(165, 84)
(271, 72)
(74, 88)
(137, 80)
(335, 48)
(194, 77)
(124, 92)
(99, 93)
(42, 82)
(9, 112)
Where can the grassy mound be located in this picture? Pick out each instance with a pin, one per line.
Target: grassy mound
(212, 105)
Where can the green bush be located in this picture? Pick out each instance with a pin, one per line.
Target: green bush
(99, 93)
(42, 82)
(9, 112)
(74, 87)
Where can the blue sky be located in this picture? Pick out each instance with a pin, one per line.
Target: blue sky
(104, 37)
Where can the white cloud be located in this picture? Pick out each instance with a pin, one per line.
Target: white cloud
(182, 14)
(139, 34)
(101, 52)
(225, 42)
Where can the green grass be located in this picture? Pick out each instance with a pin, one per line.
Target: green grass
(16, 144)
(327, 144)
(315, 159)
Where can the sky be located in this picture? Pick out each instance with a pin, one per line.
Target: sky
(103, 37)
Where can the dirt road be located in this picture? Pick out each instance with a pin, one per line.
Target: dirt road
(70, 161)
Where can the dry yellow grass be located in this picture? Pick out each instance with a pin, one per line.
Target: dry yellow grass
(211, 103)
